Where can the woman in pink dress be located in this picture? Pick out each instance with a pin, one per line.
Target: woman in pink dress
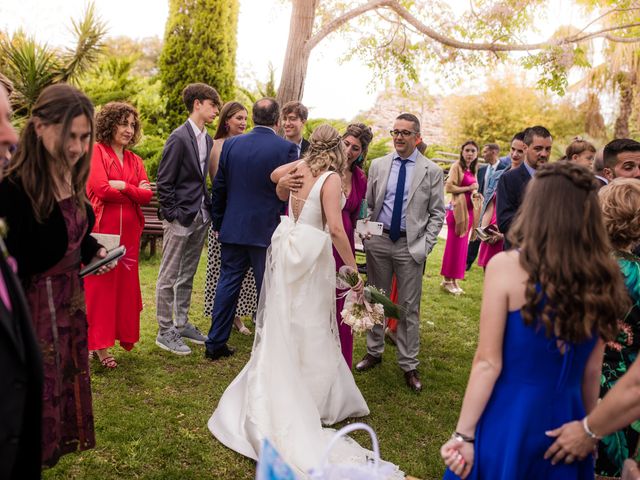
(494, 244)
(118, 185)
(356, 140)
(461, 184)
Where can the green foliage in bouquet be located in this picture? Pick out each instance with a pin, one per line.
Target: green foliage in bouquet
(373, 295)
(350, 277)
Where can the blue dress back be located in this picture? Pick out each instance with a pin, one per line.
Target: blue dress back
(539, 389)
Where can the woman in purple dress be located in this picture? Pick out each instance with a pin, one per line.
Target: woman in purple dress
(356, 140)
(44, 203)
(461, 184)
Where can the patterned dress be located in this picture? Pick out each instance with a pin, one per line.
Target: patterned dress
(56, 300)
(619, 354)
(248, 299)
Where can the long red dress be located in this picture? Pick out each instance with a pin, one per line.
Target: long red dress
(114, 301)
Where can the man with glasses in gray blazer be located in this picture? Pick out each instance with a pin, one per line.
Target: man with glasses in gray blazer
(405, 193)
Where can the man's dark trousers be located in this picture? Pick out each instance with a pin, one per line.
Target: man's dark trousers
(236, 260)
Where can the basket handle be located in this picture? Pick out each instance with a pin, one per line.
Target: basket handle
(348, 429)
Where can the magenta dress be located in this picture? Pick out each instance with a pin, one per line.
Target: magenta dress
(349, 218)
(487, 251)
(56, 301)
(454, 260)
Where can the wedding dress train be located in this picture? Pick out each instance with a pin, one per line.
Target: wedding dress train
(296, 380)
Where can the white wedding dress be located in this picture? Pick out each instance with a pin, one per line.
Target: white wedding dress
(296, 379)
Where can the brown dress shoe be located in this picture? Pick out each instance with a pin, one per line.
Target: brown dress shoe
(367, 362)
(413, 382)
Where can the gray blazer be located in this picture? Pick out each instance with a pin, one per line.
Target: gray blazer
(181, 183)
(425, 208)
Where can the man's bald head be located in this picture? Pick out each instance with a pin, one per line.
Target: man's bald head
(266, 112)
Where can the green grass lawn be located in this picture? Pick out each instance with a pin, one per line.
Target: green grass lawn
(151, 412)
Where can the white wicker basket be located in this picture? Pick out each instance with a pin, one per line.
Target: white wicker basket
(352, 471)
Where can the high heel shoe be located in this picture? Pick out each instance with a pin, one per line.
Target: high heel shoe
(239, 325)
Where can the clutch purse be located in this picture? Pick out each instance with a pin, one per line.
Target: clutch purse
(485, 233)
(110, 241)
(107, 240)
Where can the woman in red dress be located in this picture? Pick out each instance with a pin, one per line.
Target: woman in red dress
(118, 185)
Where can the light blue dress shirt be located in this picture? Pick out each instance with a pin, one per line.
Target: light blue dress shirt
(390, 194)
(530, 169)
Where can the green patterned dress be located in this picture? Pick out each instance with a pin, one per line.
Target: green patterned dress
(618, 357)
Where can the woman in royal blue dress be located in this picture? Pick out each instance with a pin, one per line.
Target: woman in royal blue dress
(547, 308)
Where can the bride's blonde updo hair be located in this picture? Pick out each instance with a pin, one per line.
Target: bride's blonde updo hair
(326, 151)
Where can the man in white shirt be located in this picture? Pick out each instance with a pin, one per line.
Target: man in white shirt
(294, 117)
(184, 208)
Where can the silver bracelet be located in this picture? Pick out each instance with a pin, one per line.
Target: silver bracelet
(462, 438)
(588, 431)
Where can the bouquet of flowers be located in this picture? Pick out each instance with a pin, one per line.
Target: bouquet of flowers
(363, 312)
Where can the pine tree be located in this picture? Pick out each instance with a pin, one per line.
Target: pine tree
(199, 46)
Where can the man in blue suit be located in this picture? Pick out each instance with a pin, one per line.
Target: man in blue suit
(245, 212)
(512, 184)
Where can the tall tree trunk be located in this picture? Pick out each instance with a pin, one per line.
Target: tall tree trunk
(296, 59)
(625, 105)
(594, 121)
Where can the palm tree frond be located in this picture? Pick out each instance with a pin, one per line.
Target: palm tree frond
(30, 66)
(90, 32)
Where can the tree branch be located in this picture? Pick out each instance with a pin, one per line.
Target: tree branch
(605, 14)
(617, 39)
(497, 47)
(429, 32)
(338, 22)
(600, 33)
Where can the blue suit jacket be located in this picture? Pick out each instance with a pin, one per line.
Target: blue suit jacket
(511, 188)
(245, 208)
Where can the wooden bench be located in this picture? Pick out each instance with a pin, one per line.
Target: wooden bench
(152, 230)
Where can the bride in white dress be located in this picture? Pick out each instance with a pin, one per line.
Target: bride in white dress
(297, 380)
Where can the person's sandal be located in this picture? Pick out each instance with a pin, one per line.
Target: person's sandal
(109, 362)
(450, 288)
(240, 326)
